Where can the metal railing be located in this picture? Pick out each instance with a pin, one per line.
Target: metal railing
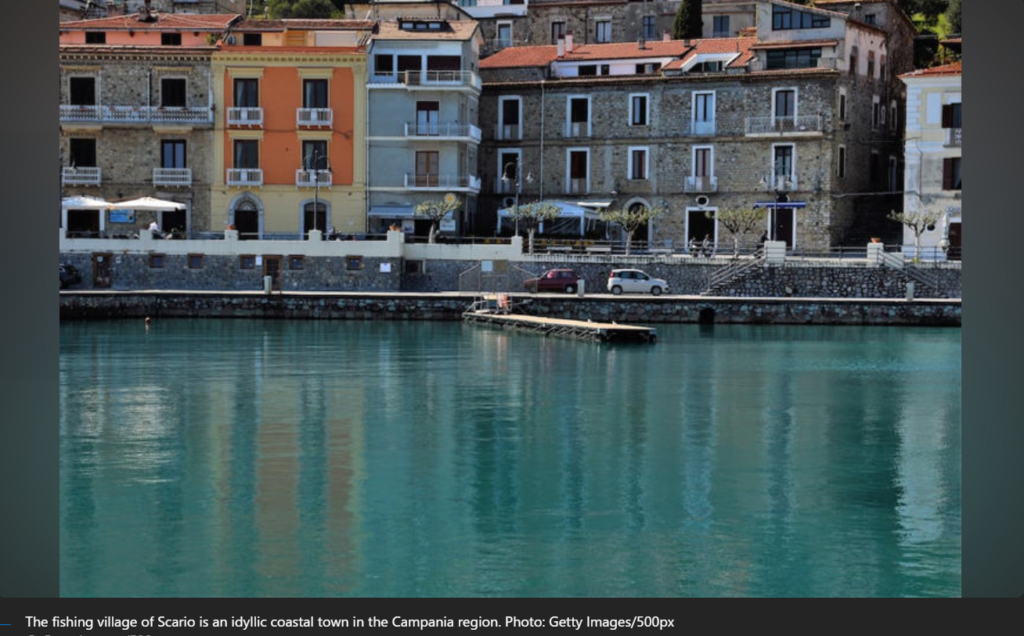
(238, 116)
(703, 128)
(314, 117)
(577, 129)
(312, 178)
(172, 176)
(576, 186)
(897, 261)
(85, 175)
(136, 114)
(508, 132)
(953, 136)
(415, 181)
(732, 272)
(783, 125)
(701, 184)
(245, 177)
(442, 130)
(438, 79)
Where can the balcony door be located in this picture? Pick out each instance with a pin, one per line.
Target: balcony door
(172, 153)
(82, 91)
(704, 113)
(784, 110)
(578, 171)
(247, 154)
(247, 93)
(314, 93)
(579, 117)
(427, 117)
(427, 169)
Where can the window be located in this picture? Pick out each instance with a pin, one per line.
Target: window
(504, 35)
(383, 64)
(95, 37)
(314, 93)
(82, 91)
(875, 108)
(951, 173)
(721, 26)
(703, 113)
(579, 172)
(842, 105)
(252, 39)
(172, 93)
(247, 154)
(702, 161)
(706, 67)
(427, 169)
(508, 171)
(785, 18)
(841, 163)
(353, 263)
(604, 32)
(427, 116)
(853, 60)
(247, 261)
(650, 27)
(881, 114)
(893, 123)
(170, 39)
(413, 267)
(793, 58)
(195, 261)
(314, 154)
(951, 115)
(557, 32)
(172, 153)
(508, 118)
(83, 153)
(881, 68)
(871, 64)
(783, 162)
(410, 63)
(784, 108)
(156, 261)
(892, 174)
(869, 18)
(606, 69)
(638, 110)
(588, 70)
(296, 263)
(647, 69)
(579, 117)
(247, 92)
(637, 164)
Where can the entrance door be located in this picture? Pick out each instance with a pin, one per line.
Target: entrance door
(174, 221)
(954, 242)
(311, 221)
(784, 222)
(247, 221)
(101, 271)
(698, 226)
(83, 223)
(272, 268)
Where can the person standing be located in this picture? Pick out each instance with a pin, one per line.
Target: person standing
(705, 246)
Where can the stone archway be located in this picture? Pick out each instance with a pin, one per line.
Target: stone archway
(247, 216)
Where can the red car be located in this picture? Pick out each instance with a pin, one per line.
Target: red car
(554, 280)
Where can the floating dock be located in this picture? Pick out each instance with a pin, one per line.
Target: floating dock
(596, 331)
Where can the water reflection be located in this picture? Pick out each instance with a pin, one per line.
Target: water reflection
(236, 458)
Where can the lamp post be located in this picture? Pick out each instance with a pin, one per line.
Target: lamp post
(519, 185)
(315, 165)
(780, 193)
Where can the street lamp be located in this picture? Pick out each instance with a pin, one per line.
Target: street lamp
(780, 195)
(519, 184)
(315, 165)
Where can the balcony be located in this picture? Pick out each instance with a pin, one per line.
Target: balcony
(135, 114)
(435, 131)
(577, 186)
(442, 182)
(701, 184)
(252, 117)
(953, 137)
(174, 177)
(494, 8)
(788, 126)
(508, 132)
(703, 128)
(314, 117)
(782, 183)
(427, 80)
(311, 178)
(87, 176)
(577, 129)
(245, 177)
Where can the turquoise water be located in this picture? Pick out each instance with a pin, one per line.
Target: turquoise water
(248, 458)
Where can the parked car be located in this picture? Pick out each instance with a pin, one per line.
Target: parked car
(554, 280)
(69, 275)
(634, 281)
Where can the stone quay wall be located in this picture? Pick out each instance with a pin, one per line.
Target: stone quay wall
(639, 311)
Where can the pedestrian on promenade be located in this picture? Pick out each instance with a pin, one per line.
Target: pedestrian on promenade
(693, 247)
(705, 247)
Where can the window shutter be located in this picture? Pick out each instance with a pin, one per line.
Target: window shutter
(947, 174)
(947, 116)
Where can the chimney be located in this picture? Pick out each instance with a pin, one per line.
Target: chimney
(568, 42)
(666, 36)
(640, 44)
(561, 47)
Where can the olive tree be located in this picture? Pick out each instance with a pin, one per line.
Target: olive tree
(531, 215)
(919, 222)
(738, 221)
(632, 219)
(435, 211)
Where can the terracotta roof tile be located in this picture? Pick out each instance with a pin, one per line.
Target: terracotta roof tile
(718, 45)
(164, 22)
(296, 24)
(519, 56)
(947, 69)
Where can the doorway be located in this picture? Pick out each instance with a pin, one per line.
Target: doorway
(698, 225)
(83, 224)
(101, 274)
(954, 242)
(247, 221)
(783, 222)
(272, 268)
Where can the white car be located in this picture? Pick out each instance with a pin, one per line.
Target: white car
(634, 281)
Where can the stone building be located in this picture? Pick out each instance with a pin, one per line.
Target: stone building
(933, 156)
(423, 92)
(120, 7)
(82, 9)
(790, 120)
(136, 117)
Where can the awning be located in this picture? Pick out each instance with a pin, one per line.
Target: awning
(781, 204)
(594, 204)
(84, 203)
(147, 203)
(392, 211)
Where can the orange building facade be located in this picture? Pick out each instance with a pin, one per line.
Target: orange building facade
(290, 139)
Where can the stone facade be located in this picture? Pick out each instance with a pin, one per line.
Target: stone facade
(438, 307)
(128, 146)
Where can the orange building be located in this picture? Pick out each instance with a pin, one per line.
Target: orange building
(290, 135)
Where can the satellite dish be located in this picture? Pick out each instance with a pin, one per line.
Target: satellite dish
(449, 198)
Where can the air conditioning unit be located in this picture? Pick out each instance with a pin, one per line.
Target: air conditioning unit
(702, 201)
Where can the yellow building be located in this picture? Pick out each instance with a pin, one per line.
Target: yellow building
(289, 131)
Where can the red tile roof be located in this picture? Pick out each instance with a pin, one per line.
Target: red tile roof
(713, 46)
(297, 24)
(164, 22)
(952, 41)
(519, 56)
(947, 69)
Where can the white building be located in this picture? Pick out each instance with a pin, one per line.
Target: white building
(932, 180)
